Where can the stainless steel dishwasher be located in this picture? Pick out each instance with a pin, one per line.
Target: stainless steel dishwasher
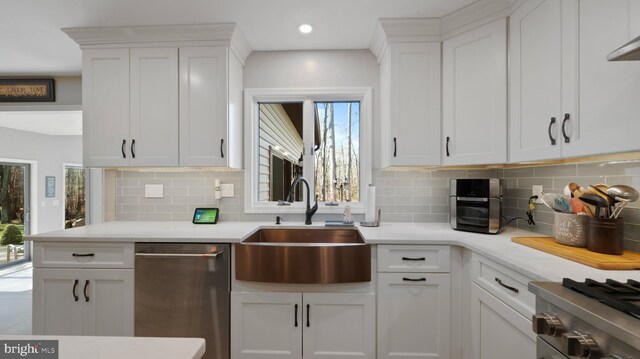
(182, 290)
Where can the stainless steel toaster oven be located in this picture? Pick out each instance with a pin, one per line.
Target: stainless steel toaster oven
(476, 205)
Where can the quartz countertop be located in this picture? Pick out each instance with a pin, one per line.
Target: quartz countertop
(82, 347)
(533, 263)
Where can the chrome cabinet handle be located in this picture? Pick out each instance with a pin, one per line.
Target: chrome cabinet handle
(73, 291)
(413, 259)
(447, 146)
(222, 147)
(553, 140)
(414, 279)
(296, 317)
(83, 255)
(178, 255)
(124, 143)
(133, 148)
(515, 290)
(84, 291)
(564, 132)
(308, 310)
(395, 147)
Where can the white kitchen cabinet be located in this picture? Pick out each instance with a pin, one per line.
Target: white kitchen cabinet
(410, 104)
(537, 77)
(83, 302)
(497, 330)
(608, 118)
(474, 96)
(266, 325)
(338, 325)
(130, 99)
(210, 107)
(105, 104)
(414, 315)
(280, 325)
(153, 107)
(82, 288)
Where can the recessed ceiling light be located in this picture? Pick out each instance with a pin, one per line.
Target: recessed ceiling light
(305, 28)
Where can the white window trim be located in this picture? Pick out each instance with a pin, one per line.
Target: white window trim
(251, 99)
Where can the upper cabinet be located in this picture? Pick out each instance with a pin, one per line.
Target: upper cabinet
(537, 77)
(153, 96)
(474, 96)
(410, 73)
(566, 99)
(608, 116)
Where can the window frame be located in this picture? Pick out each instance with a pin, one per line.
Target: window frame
(252, 98)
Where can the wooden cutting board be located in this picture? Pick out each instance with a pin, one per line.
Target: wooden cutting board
(627, 261)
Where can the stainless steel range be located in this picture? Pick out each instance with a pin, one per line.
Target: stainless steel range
(587, 320)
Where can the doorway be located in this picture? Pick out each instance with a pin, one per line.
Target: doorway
(14, 213)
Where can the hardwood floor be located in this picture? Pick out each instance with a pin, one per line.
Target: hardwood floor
(15, 302)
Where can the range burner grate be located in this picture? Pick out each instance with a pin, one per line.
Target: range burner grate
(621, 296)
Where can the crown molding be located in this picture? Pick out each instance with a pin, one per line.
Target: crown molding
(476, 14)
(388, 31)
(221, 34)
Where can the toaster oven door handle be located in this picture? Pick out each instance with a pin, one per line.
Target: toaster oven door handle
(473, 199)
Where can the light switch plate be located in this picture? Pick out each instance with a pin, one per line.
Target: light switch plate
(154, 191)
(227, 190)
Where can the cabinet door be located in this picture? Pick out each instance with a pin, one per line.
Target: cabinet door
(608, 120)
(535, 81)
(203, 106)
(339, 325)
(105, 104)
(266, 325)
(497, 331)
(411, 117)
(57, 305)
(107, 296)
(154, 107)
(414, 315)
(474, 83)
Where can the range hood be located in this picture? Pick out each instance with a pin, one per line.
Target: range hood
(628, 52)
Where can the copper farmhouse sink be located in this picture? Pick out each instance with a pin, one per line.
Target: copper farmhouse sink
(303, 256)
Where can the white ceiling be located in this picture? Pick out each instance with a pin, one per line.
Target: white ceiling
(55, 123)
(32, 43)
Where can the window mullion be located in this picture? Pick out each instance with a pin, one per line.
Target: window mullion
(308, 115)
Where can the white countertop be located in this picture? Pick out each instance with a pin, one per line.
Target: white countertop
(77, 347)
(534, 264)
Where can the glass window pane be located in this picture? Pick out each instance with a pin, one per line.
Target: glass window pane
(337, 157)
(12, 216)
(74, 203)
(280, 150)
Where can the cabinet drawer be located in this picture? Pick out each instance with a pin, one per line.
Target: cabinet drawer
(83, 255)
(506, 284)
(413, 258)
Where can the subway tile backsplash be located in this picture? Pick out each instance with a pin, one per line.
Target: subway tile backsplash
(403, 195)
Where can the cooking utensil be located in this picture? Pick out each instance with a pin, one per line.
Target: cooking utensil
(577, 206)
(623, 195)
(595, 200)
(556, 202)
(600, 190)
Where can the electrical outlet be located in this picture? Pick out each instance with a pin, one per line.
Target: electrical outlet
(227, 190)
(154, 191)
(536, 190)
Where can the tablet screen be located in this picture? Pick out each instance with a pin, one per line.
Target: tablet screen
(205, 216)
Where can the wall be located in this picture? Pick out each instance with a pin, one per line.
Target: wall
(47, 155)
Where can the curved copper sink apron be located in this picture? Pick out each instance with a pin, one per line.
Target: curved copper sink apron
(304, 256)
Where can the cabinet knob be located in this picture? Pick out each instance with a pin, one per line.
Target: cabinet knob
(579, 345)
(546, 324)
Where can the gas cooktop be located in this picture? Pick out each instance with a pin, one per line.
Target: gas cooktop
(622, 296)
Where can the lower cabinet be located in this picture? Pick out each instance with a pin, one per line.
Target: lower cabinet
(414, 315)
(497, 330)
(83, 301)
(302, 325)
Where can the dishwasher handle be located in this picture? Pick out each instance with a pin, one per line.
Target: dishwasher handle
(179, 255)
